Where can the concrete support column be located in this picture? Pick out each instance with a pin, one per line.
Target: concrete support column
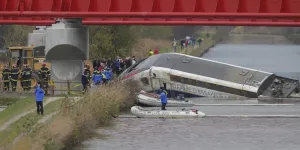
(67, 45)
(38, 39)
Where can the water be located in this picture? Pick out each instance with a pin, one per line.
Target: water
(279, 59)
(218, 133)
(196, 134)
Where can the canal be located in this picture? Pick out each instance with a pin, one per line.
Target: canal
(217, 133)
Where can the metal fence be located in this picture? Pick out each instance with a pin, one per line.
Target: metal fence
(65, 87)
(56, 87)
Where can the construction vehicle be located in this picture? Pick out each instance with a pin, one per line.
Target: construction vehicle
(21, 55)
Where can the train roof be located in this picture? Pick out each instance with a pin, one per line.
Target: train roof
(204, 67)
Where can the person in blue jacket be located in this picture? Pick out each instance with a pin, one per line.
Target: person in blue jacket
(97, 77)
(163, 98)
(39, 97)
(108, 74)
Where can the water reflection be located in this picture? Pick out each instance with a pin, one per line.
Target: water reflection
(195, 134)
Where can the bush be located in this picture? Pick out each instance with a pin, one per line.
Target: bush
(77, 120)
(6, 101)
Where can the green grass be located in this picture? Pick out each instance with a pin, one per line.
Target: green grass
(27, 123)
(207, 43)
(6, 101)
(214, 38)
(20, 106)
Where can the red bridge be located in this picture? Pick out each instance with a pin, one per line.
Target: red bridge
(153, 12)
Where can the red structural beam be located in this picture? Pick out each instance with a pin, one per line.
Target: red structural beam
(63, 14)
(146, 12)
(122, 22)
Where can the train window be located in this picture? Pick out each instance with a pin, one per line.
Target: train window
(175, 78)
(194, 82)
(182, 80)
(145, 81)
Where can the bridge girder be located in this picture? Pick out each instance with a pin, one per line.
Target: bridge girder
(153, 12)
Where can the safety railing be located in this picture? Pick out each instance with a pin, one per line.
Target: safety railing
(65, 86)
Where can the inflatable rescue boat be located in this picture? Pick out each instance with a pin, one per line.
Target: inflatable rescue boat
(151, 99)
(144, 113)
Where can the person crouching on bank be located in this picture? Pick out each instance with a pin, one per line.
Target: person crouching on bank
(163, 98)
(39, 97)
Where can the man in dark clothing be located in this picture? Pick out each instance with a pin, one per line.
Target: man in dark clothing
(182, 41)
(26, 78)
(117, 66)
(15, 72)
(6, 78)
(44, 74)
(122, 65)
(128, 62)
(95, 64)
(85, 78)
(199, 41)
(109, 63)
(18, 63)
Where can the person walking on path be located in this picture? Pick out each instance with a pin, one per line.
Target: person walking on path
(39, 97)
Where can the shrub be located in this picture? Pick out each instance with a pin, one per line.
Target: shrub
(6, 101)
(77, 120)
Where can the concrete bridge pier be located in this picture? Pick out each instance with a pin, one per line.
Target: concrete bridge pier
(67, 45)
(38, 39)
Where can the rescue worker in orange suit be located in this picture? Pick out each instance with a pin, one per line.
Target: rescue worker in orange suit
(6, 78)
(86, 76)
(26, 78)
(44, 74)
(15, 72)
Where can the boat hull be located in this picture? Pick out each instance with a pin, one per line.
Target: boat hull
(155, 102)
(143, 113)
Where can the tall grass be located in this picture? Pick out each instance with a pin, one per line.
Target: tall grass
(77, 120)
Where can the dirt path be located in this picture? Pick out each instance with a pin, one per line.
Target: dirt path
(14, 119)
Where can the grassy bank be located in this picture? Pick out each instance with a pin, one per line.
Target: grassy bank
(78, 120)
(6, 101)
(215, 37)
(26, 124)
(15, 107)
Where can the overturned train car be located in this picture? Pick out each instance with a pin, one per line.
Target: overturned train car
(194, 76)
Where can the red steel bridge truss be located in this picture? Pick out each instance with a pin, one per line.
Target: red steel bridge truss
(153, 12)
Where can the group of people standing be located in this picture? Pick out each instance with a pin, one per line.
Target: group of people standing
(11, 77)
(103, 70)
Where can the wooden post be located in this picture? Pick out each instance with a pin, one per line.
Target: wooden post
(69, 87)
(52, 90)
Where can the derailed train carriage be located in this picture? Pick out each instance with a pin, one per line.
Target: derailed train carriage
(194, 76)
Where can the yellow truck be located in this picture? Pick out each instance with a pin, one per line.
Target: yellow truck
(21, 55)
